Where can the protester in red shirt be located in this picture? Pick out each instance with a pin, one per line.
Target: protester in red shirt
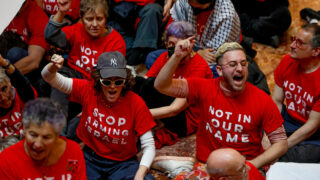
(86, 42)
(29, 23)
(227, 163)
(43, 154)
(112, 118)
(178, 117)
(233, 113)
(15, 91)
(297, 82)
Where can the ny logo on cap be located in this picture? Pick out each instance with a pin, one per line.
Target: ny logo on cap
(113, 62)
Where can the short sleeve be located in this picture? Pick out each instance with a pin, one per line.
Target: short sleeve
(278, 78)
(272, 118)
(80, 90)
(194, 94)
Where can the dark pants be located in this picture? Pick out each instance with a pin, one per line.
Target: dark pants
(98, 167)
(144, 87)
(262, 28)
(143, 39)
(307, 151)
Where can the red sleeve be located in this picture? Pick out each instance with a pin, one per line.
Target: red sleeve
(281, 68)
(254, 173)
(273, 119)
(193, 85)
(80, 90)
(157, 65)
(202, 69)
(143, 118)
(138, 2)
(37, 21)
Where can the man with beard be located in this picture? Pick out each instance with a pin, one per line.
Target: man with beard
(233, 112)
(297, 82)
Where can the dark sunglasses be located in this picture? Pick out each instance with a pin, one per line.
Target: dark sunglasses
(117, 82)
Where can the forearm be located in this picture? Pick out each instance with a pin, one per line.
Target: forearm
(178, 105)
(54, 35)
(27, 64)
(147, 144)
(275, 151)
(301, 134)
(141, 173)
(22, 85)
(56, 80)
(164, 78)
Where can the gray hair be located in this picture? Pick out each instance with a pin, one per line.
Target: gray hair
(42, 110)
(226, 47)
(3, 75)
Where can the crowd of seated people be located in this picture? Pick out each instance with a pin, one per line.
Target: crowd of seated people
(94, 114)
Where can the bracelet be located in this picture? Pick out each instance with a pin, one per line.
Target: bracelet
(7, 66)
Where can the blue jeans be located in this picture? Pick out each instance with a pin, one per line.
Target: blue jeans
(98, 167)
(15, 54)
(307, 151)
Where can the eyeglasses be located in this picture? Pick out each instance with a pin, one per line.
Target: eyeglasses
(234, 64)
(299, 42)
(117, 82)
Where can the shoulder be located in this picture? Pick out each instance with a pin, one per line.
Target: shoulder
(13, 152)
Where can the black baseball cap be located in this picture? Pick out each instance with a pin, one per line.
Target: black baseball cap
(112, 64)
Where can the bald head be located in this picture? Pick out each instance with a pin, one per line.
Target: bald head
(226, 162)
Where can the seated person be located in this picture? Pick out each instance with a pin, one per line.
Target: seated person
(15, 91)
(310, 15)
(228, 163)
(23, 43)
(113, 118)
(233, 112)
(29, 23)
(178, 117)
(86, 40)
(297, 80)
(216, 22)
(43, 153)
(139, 23)
(51, 7)
(263, 21)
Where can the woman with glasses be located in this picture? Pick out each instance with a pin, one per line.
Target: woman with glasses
(15, 91)
(112, 118)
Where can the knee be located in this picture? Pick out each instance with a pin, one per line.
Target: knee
(152, 9)
(16, 53)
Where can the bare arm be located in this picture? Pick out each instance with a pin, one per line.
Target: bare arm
(305, 131)
(32, 61)
(64, 6)
(178, 105)
(164, 82)
(279, 146)
(278, 96)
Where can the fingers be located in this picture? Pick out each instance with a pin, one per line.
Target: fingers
(57, 60)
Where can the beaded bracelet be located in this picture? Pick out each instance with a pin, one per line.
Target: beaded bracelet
(7, 66)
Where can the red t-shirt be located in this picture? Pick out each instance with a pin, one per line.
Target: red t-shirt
(85, 50)
(254, 173)
(30, 24)
(194, 67)
(301, 90)
(10, 124)
(51, 7)
(202, 19)
(234, 122)
(15, 163)
(111, 132)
